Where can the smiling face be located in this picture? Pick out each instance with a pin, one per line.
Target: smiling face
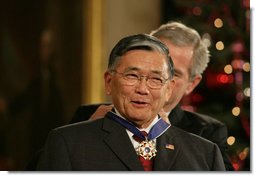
(139, 103)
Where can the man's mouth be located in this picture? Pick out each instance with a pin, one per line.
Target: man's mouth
(140, 103)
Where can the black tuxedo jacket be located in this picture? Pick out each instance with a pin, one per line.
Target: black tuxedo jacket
(204, 126)
(103, 145)
(199, 124)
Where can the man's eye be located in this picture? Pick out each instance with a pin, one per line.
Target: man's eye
(131, 76)
(156, 80)
(177, 75)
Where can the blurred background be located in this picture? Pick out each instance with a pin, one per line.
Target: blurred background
(53, 54)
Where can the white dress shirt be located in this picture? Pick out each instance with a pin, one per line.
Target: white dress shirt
(130, 134)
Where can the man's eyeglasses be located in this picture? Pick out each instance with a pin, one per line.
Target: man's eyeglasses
(131, 78)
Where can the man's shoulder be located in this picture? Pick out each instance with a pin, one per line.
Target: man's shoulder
(188, 137)
(184, 118)
(197, 123)
(203, 118)
(79, 127)
(85, 111)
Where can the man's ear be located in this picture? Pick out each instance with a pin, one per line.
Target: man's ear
(193, 84)
(108, 82)
(171, 85)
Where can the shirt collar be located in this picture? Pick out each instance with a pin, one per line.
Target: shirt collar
(143, 129)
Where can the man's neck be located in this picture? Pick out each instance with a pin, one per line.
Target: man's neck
(140, 124)
(148, 125)
(169, 107)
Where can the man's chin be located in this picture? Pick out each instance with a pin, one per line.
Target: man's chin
(139, 117)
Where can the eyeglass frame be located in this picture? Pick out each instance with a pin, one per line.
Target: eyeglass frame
(139, 78)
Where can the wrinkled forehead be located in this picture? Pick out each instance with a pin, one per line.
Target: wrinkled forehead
(144, 62)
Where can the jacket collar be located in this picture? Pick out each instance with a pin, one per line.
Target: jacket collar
(119, 142)
(167, 151)
(178, 118)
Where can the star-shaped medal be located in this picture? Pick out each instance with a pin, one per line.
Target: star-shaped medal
(147, 149)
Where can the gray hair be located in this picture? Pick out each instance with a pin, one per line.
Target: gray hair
(181, 35)
(140, 42)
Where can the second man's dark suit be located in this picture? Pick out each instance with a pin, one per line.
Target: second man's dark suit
(199, 124)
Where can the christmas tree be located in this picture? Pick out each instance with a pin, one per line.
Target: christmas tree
(224, 92)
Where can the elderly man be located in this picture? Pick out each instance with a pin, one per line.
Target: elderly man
(132, 136)
(190, 56)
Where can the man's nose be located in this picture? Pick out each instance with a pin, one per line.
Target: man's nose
(141, 86)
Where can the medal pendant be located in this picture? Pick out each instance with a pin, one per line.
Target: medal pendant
(147, 149)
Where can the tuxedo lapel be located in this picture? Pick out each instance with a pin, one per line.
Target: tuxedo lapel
(167, 151)
(119, 142)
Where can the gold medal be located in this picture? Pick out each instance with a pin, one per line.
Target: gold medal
(147, 149)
